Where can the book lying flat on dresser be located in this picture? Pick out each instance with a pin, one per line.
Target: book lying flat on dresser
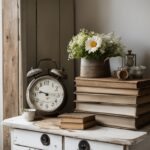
(101, 90)
(78, 121)
(77, 126)
(112, 99)
(124, 110)
(123, 122)
(112, 83)
(76, 117)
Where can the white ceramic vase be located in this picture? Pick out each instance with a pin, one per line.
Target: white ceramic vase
(115, 64)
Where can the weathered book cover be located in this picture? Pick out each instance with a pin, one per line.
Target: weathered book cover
(76, 117)
(112, 83)
(77, 126)
(101, 90)
(123, 122)
(123, 110)
(112, 99)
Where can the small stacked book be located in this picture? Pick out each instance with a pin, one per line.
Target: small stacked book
(77, 121)
(122, 104)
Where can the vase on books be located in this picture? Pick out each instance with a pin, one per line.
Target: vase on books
(115, 64)
(93, 68)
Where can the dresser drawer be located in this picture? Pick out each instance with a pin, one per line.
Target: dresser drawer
(36, 140)
(79, 144)
(16, 147)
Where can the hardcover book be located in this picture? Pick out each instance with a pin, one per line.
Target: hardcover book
(76, 117)
(112, 83)
(123, 110)
(123, 122)
(101, 90)
(112, 99)
(77, 126)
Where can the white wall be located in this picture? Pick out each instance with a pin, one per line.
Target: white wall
(1, 68)
(128, 18)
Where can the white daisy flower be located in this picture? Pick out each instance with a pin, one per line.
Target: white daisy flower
(93, 43)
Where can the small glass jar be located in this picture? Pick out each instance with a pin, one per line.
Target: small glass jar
(130, 59)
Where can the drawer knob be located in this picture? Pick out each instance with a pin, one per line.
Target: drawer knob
(84, 145)
(45, 139)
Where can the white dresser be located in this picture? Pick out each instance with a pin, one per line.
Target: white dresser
(46, 135)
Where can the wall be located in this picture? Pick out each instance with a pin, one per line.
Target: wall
(128, 18)
(1, 84)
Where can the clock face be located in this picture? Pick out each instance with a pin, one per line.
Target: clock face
(45, 94)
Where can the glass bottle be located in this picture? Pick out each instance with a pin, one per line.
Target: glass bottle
(130, 59)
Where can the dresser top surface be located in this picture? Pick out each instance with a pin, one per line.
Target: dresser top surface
(97, 133)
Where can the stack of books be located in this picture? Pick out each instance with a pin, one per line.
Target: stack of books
(116, 103)
(77, 121)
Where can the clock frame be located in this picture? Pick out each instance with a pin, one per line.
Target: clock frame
(31, 101)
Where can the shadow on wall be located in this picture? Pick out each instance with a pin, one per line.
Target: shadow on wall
(146, 61)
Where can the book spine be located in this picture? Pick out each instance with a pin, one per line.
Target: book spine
(105, 84)
(106, 98)
(116, 121)
(107, 109)
(108, 91)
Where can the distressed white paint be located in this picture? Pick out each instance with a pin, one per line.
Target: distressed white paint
(16, 147)
(23, 133)
(144, 145)
(101, 134)
(33, 139)
(72, 144)
(1, 79)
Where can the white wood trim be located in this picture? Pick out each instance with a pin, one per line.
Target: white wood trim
(21, 60)
(1, 78)
(25, 138)
(144, 145)
(72, 144)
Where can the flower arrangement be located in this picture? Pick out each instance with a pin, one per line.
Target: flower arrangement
(88, 44)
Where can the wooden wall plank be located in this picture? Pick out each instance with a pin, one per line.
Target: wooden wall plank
(29, 33)
(48, 29)
(21, 52)
(10, 59)
(66, 33)
(27, 47)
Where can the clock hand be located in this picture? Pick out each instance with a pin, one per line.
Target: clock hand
(44, 93)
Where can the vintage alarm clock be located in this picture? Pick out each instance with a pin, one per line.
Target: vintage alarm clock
(46, 93)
